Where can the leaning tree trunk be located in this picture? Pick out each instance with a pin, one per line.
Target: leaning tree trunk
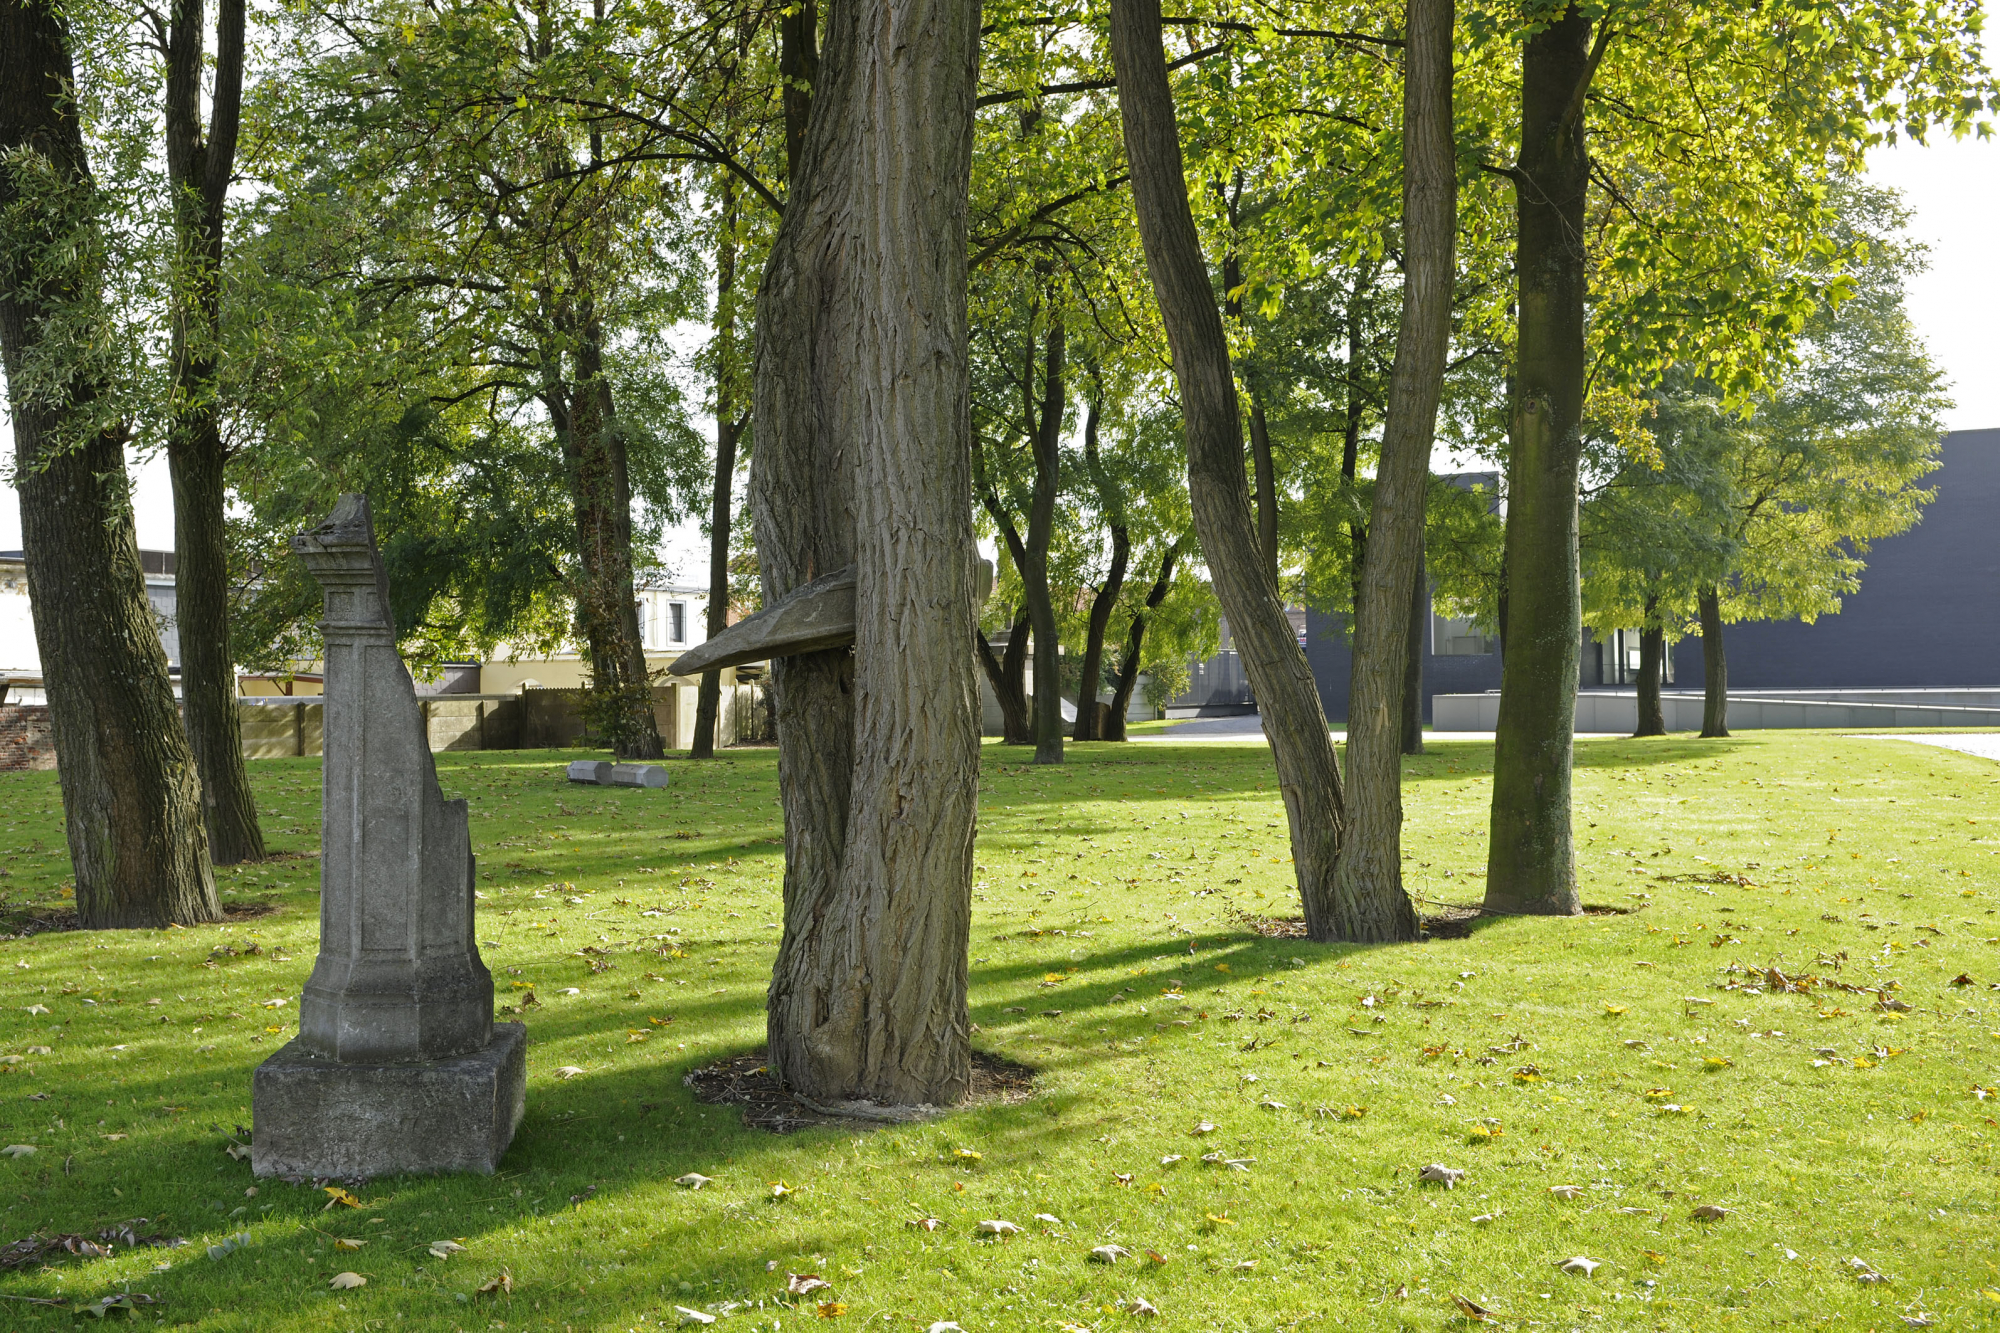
(1047, 443)
(1371, 864)
(1530, 859)
(621, 689)
(1714, 666)
(131, 794)
(1652, 655)
(728, 430)
(864, 439)
(1005, 675)
(1308, 773)
(1413, 662)
(1101, 606)
(1135, 643)
(198, 171)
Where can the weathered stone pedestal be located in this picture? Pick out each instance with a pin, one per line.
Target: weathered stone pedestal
(398, 1066)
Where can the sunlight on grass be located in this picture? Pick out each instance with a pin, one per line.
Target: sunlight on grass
(1645, 1058)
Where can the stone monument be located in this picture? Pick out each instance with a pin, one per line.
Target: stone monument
(398, 1065)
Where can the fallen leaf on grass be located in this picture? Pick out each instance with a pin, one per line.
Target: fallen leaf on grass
(1566, 1192)
(1154, 1256)
(347, 1281)
(1708, 1212)
(804, 1284)
(343, 1243)
(19, 1150)
(945, 1326)
(694, 1316)
(1579, 1265)
(1142, 1307)
(1049, 1218)
(924, 1223)
(569, 1071)
(1439, 1173)
(693, 1180)
(128, 1301)
(444, 1249)
(1109, 1254)
(1173, 1157)
(780, 1190)
(1474, 1312)
(1205, 1127)
(994, 1226)
(337, 1195)
(1485, 1217)
(502, 1285)
(831, 1309)
(229, 1245)
(1866, 1272)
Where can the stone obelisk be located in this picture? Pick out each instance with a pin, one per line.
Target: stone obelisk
(398, 1065)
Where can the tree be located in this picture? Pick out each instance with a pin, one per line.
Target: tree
(1308, 776)
(131, 794)
(199, 165)
(730, 424)
(1370, 868)
(863, 457)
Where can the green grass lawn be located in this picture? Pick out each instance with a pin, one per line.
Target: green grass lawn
(1641, 1057)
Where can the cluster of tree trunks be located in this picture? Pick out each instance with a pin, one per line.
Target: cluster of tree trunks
(131, 795)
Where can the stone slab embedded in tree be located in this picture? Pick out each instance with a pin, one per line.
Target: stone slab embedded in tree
(813, 617)
(396, 1022)
(589, 770)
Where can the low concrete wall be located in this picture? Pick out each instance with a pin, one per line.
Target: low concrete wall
(1617, 712)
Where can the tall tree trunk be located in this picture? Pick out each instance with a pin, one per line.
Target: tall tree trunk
(1350, 441)
(1413, 662)
(1264, 474)
(862, 458)
(1006, 674)
(798, 66)
(131, 795)
(621, 690)
(198, 168)
(1714, 666)
(1135, 642)
(1652, 654)
(1308, 774)
(1047, 443)
(1112, 500)
(728, 430)
(1530, 858)
(1371, 864)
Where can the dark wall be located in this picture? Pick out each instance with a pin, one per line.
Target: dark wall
(1330, 657)
(1927, 615)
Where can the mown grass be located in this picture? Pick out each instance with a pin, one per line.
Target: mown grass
(1114, 890)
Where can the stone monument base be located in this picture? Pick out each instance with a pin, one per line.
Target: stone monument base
(317, 1117)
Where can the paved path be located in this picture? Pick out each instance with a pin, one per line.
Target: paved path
(1986, 746)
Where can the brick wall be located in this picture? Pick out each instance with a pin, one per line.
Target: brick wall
(26, 742)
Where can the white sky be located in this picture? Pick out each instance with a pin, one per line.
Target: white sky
(1953, 189)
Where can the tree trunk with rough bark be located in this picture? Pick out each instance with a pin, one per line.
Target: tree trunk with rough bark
(1413, 663)
(1264, 474)
(1371, 863)
(1714, 667)
(863, 447)
(729, 424)
(621, 689)
(131, 795)
(1530, 859)
(1308, 773)
(1047, 442)
(1135, 642)
(199, 164)
(1652, 658)
(1112, 500)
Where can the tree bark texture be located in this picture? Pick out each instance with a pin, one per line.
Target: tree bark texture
(1530, 862)
(1413, 661)
(131, 794)
(198, 169)
(1308, 774)
(729, 424)
(1714, 666)
(863, 418)
(1264, 474)
(1371, 864)
(1135, 642)
(1652, 657)
(1112, 500)
(607, 605)
(1047, 442)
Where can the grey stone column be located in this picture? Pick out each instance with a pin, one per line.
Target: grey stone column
(398, 1065)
